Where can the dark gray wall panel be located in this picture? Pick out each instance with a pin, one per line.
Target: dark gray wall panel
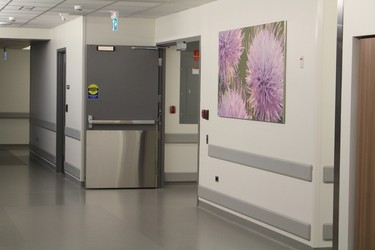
(288, 224)
(293, 169)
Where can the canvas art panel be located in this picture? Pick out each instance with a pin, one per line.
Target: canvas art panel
(252, 73)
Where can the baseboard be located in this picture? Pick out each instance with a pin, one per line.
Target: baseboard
(288, 224)
(180, 177)
(72, 170)
(35, 156)
(43, 154)
(255, 228)
(74, 179)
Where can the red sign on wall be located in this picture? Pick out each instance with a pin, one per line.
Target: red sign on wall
(196, 55)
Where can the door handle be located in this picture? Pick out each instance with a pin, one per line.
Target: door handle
(92, 122)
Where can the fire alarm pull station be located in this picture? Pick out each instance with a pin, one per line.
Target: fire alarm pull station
(205, 114)
(172, 109)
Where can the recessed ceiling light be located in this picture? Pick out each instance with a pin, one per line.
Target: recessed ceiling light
(5, 23)
(77, 7)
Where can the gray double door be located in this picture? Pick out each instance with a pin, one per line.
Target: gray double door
(122, 110)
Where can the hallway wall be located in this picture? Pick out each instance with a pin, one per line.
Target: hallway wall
(44, 92)
(73, 36)
(305, 138)
(131, 31)
(17, 131)
(306, 134)
(14, 97)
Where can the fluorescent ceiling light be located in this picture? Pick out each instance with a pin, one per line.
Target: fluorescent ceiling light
(105, 48)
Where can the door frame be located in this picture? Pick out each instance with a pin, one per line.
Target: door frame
(337, 132)
(162, 56)
(60, 110)
(161, 117)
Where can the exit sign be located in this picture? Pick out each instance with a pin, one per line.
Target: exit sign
(114, 24)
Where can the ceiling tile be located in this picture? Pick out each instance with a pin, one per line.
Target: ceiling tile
(45, 13)
(126, 9)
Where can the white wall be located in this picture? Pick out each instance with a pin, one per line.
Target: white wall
(71, 37)
(357, 17)
(43, 94)
(328, 79)
(14, 96)
(300, 139)
(131, 31)
(178, 157)
(25, 33)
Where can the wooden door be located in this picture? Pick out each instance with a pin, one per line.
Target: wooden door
(365, 179)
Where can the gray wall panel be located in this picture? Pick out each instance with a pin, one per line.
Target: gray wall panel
(73, 133)
(14, 115)
(292, 169)
(327, 232)
(328, 174)
(290, 225)
(43, 124)
(181, 138)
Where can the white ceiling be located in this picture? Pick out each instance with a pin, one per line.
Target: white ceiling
(46, 13)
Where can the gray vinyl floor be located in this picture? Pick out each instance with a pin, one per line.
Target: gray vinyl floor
(40, 210)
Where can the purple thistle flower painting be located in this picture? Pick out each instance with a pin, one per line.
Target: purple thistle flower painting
(232, 105)
(230, 51)
(252, 73)
(265, 79)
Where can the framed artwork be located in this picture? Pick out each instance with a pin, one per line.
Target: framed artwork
(252, 73)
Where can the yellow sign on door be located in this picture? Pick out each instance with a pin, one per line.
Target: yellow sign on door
(93, 91)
